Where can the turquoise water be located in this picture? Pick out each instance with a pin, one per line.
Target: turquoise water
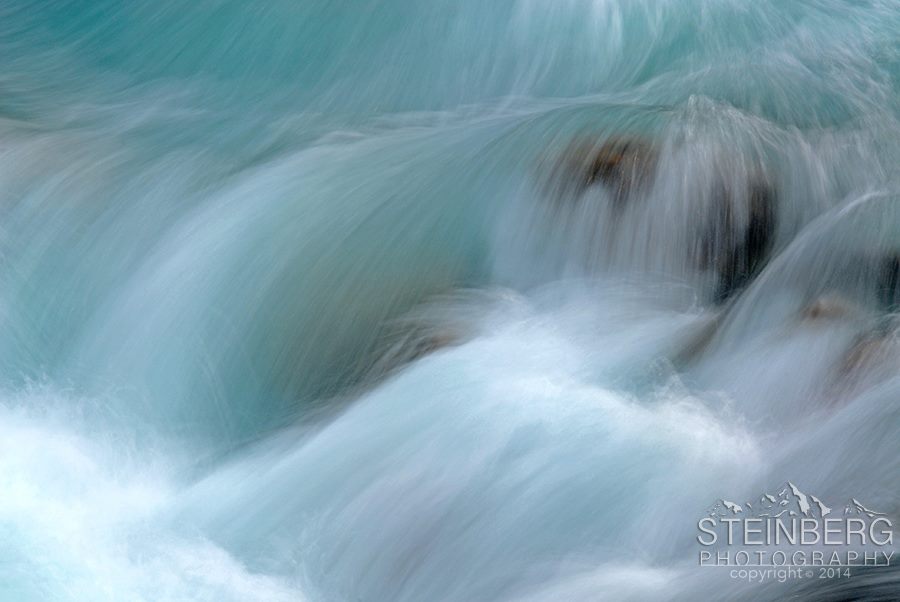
(296, 302)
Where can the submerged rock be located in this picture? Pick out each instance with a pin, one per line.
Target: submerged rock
(865, 351)
(870, 359)
(418, 335)
(829, 307)
(696, 338)
(622, 164)
(873, 352)
(888, 286)
(416, 346)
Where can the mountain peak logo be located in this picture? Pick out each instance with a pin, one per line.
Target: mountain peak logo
(785, 501)
(854, 508)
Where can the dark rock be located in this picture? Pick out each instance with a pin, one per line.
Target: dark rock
(889, 282)
(737, 246)
(621, 164)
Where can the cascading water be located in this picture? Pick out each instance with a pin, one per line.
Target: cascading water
(407, 301)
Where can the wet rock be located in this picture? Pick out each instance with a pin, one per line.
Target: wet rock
(412, 341)
(863, 354)
(736, 236)
(872, 357)
(696, 338)
(829, 307)
(621, 164)
(739, 242)
(888, 286)
(417, 347)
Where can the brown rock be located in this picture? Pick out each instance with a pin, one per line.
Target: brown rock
(621, 164)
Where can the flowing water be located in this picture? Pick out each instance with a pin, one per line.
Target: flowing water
(297, 303)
